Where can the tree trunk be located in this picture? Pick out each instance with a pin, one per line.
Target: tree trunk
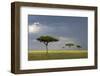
(46, 49)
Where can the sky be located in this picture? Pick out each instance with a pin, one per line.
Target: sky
(68, 29)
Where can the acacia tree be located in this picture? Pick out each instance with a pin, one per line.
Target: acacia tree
(78, 46)
(46, 40)
(69, 44)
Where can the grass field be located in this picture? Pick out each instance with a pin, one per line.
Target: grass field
(54, 54)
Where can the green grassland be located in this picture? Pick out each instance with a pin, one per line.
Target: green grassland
(54, 54)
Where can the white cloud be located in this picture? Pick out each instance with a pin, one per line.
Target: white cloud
(67, 40)
(34, 28)
(36, 23)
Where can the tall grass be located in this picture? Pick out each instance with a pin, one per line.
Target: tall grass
(55, 54)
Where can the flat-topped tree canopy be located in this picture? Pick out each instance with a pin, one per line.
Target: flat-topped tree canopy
(78, 46)
(69, 44)
(46, 40)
